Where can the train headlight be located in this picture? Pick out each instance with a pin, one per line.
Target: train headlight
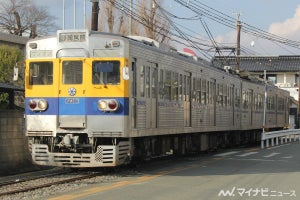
(37, 104)
(42, 104)
(108, 105)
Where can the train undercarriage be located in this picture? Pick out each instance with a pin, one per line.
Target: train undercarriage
(79, 150)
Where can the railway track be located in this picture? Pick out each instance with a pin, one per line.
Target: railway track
(34, 182)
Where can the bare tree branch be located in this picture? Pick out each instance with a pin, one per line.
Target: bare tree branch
(23, 17)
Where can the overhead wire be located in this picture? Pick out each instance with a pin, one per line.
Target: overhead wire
(199, 8)
(181, 35)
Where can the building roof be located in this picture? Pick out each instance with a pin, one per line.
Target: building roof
(260, 63)
(13, 38)
(7, 87)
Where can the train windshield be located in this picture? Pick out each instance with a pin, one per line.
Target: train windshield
(106, 72)
(72, 72)
(41, 73)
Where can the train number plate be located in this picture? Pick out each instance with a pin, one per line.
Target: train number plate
(72, 101)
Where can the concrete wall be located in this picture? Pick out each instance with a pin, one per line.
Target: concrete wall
(14, 154)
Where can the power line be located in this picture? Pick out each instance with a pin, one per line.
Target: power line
(219, 17)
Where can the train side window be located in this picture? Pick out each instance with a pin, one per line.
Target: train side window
(161, 84)
(168, 85)
(204, 93)
(147, 79)
(180, 87)
(106, 72)
(174, 86)
(142, 81)
(41, 73)
(154, 76)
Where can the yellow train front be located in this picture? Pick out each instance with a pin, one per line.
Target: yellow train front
(77, 100)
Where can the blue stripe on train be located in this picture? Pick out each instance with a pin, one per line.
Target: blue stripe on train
(77, 106)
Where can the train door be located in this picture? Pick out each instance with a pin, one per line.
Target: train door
(213, 102)
(133, 93)
(187, 99)
(151, 84)
(251, 104)
(71, 109)
(232, 97)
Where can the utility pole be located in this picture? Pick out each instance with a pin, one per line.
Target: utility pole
(130, 18)
(95, 11)
(74, 14)
(63, 14)
(238, 42)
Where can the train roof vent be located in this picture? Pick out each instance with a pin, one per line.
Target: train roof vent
(145, 40)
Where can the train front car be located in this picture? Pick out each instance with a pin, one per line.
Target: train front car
(77, 99)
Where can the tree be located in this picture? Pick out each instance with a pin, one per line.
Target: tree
(154, 23)
(147, 19)
(21, 17)
(111, 17)
(10, 57)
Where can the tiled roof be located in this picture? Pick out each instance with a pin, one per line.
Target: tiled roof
(261, 63)
(7, 87)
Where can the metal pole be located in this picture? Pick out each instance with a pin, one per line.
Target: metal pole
(130, 18)
(84, 14)
(265, 102)
(74, 14)
(238, 47)
(63, 14)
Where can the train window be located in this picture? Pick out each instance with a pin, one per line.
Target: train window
(197, 90)
(225, 95)
(147, 78)
(188, 88)
(212, 91)
(245, 99)
(203, 95)
(41, 73)
(142, 81)
(161, 84)
(174, 86)
(106, 72)
(154, 82)
(220, 94)
(168, 85)
(72, 72)
(180, 97)
(237, 98)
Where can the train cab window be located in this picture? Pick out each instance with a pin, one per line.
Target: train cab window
(106, 72)
(41, 73)
(72, 72)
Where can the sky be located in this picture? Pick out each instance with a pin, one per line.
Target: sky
(278, 17)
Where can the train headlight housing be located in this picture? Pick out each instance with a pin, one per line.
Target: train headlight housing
(38, 104)
(32, 104)
(108, 105)
(42, 104)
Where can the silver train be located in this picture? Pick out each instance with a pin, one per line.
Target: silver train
(100, 100)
